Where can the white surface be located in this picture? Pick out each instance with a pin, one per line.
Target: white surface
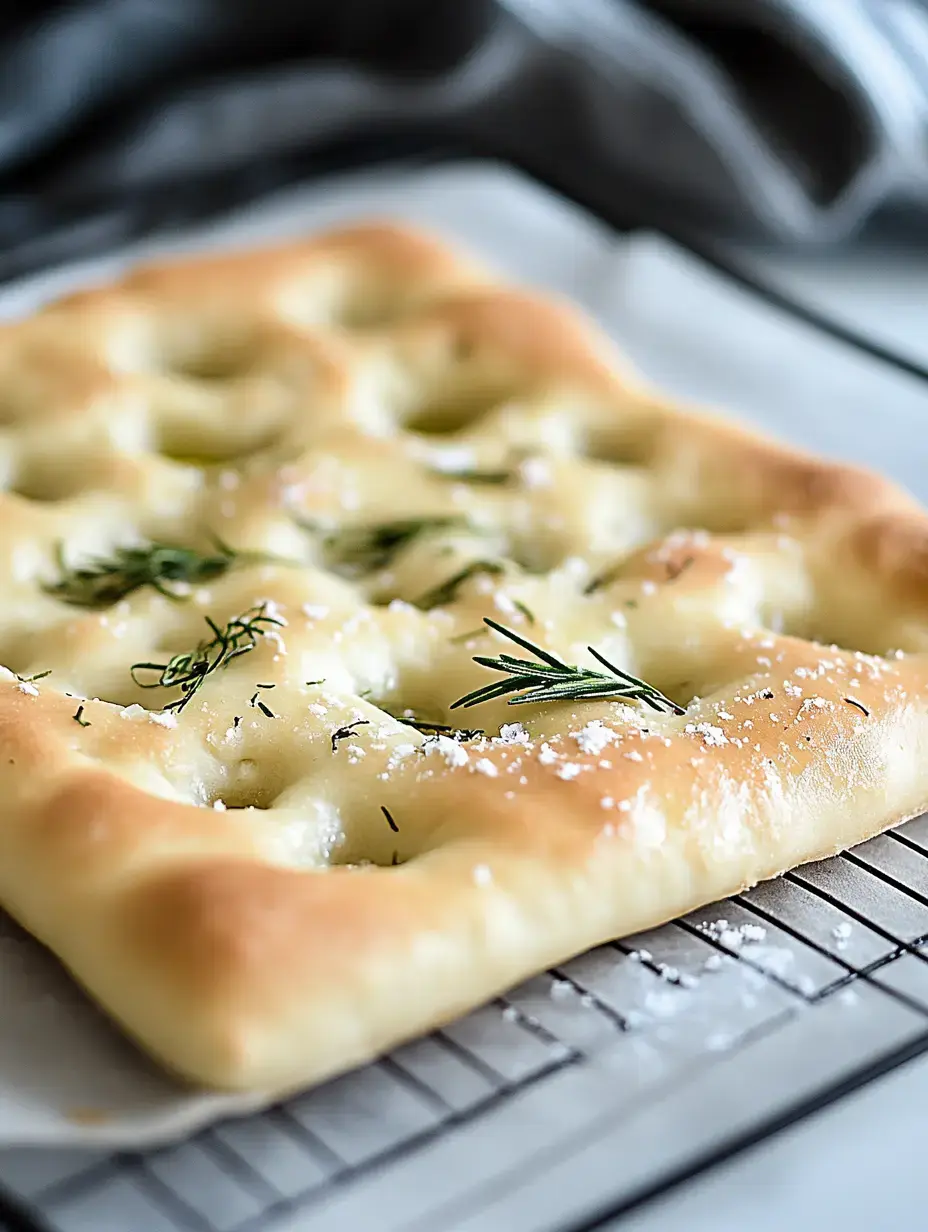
(878, 290)
(697, 337)
(856, 1166)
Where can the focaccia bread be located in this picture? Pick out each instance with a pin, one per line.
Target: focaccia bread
(268, 516)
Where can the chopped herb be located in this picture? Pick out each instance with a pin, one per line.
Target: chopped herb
(102, 581)
(311, 683)
(237, 722)
(766, 694)
(79, 717)
(466, 637)
(603, 579)
(440, 729)
(468, 475)
(551, 680)
(446, 592)
(346, 732)
(188, 670)
(674, 571)
(526, 611)
(365, 549)
(860, 706)
(32, 679)
(631, 602)
(259, 704)
(390, 822)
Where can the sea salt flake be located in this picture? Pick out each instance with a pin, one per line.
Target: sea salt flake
(513, 733)
(569, 771)
(487, 767)
(713, 736)
(594, 737)
(451, 751)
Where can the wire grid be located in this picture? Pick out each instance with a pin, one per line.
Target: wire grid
(829, 929)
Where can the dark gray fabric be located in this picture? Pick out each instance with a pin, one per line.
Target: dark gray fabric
(792, 120)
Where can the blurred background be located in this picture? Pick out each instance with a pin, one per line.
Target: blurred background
(787, 124)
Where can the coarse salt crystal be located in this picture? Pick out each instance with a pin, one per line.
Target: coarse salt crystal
(514, 733)
(485, 766)
(713, 736)
(452, 751)
(219, 806)
(546, 755)
(569, 771)
(607, 802)
(482, 874)
(594, 737)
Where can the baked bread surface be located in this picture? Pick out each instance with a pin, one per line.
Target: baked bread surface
(283, 878)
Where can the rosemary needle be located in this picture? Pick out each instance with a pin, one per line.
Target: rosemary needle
(446, 591)
(551, 680)
(440, 729)
(189, 669)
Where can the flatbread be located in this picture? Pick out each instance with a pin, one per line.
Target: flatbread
(258, 510)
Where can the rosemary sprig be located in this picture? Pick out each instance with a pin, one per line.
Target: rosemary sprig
(365, 549)
(551, 680)
(446, 591)
(188, 670)
(102, 581)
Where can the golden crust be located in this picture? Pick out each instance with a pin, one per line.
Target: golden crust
(263, 900)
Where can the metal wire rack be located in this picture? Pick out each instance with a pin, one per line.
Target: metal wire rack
(805, 986)
(830, 962)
